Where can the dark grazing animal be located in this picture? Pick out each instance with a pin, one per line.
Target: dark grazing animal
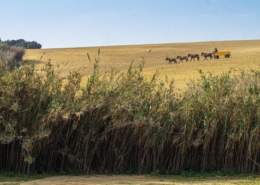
(194, 57)
(228, 55)
(171, 60)
(183, 58)
(207, 55)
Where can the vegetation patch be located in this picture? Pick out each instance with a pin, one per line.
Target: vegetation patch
(124, 123)
(21, 43)
(10, 57)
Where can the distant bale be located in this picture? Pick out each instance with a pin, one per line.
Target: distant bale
(10, 57)
(149, 50)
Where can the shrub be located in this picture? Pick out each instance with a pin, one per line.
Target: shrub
(10, 57)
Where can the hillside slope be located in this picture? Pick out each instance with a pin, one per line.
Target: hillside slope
(245, 55)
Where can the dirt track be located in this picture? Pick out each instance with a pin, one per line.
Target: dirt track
(139, 180)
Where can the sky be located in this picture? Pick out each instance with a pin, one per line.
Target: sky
(79, 23)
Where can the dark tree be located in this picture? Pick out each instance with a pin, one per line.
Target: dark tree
(22, 44)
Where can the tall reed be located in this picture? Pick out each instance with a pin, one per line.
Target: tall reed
(124, 123)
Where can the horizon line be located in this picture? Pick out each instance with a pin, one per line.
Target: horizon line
(151, 44)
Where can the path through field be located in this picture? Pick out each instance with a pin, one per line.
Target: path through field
(141, 180)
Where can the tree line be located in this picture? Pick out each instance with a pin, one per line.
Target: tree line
(22, 44)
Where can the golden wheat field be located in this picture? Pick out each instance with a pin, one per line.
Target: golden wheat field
(245, 55)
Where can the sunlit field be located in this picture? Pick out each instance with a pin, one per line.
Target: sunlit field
(245, 55)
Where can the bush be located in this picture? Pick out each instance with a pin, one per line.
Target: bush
(121, 122)
(10, 57)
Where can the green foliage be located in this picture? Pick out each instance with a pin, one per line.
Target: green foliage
(122, 122)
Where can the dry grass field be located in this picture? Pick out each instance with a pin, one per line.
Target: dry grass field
(245, 55)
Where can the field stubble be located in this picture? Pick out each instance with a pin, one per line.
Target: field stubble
(245, 55)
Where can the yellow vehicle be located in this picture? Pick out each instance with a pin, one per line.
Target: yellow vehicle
(222, 54)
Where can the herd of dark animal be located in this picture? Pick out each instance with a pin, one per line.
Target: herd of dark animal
(193, 57)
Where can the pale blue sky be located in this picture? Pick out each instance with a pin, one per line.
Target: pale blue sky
(75, 23)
